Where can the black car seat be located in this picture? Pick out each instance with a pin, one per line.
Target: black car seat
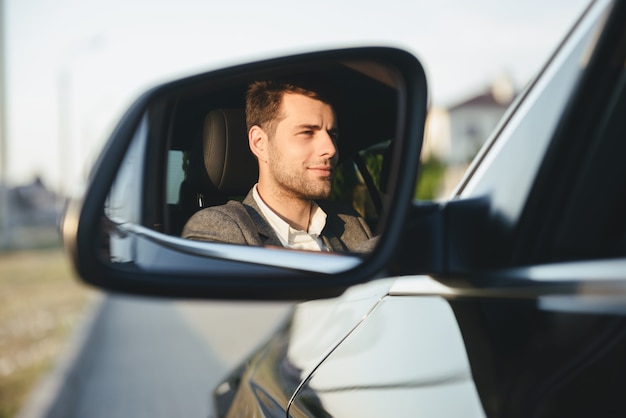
(229, 163)
(221, 166)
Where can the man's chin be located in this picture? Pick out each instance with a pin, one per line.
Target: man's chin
(319, 195)
(321, 189)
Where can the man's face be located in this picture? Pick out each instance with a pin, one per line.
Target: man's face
(302, 153)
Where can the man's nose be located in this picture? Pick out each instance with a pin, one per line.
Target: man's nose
(328, 146)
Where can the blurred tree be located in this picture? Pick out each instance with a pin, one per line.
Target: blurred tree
(430, 178)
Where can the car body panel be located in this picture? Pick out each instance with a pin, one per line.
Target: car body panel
(370, 374)
(313, 330)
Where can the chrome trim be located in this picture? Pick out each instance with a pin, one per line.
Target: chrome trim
(586, 286)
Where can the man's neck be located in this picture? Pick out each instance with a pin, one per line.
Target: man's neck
(296, 212)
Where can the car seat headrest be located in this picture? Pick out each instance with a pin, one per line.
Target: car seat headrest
(229, 163)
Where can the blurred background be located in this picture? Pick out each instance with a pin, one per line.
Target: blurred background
(70, 68)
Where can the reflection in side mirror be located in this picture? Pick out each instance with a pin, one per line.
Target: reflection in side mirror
(307, 174)
(317, 170)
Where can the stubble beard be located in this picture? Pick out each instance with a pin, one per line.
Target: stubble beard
(297, 182)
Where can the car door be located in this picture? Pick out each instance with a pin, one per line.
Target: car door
(536, 274)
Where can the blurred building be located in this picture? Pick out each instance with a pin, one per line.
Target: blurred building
(454, 134)
(473, 119)
(34, 205)
(31, 216)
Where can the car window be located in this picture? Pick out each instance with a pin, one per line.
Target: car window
(519, 144)
(360, 181)
(124, 202)
(175, 176)
(596, 185)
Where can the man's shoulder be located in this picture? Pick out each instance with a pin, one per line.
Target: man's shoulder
(225, 223)
(231, 209)
(345, 220)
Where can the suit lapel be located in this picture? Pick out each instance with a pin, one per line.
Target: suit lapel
(264, 229)
(333, 230)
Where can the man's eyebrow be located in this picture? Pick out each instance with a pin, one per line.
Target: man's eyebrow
(316, 128)
(309, 126)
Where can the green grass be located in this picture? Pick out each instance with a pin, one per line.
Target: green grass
(41, 302)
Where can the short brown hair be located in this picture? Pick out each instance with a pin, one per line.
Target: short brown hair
(263, 100)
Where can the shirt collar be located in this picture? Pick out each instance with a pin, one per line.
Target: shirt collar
(287, 235)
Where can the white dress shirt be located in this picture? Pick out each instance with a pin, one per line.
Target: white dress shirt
(291, 237)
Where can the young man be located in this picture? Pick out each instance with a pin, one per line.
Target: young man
(292, 131)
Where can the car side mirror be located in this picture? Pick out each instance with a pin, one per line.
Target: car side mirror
(124, 233)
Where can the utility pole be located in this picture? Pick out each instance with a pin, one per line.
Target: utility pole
(5, 226)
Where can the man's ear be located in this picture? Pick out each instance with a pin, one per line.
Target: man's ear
(257, 139)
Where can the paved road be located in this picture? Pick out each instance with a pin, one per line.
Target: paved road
(155, 358)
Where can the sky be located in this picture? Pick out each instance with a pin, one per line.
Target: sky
(74, 66)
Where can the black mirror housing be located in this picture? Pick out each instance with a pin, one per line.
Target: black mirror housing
(150, 261)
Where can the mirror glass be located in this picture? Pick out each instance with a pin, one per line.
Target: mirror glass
(230, 159)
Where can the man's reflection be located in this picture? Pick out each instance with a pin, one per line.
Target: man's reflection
(292, 131)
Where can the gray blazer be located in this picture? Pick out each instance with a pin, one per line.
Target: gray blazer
(243, 223)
